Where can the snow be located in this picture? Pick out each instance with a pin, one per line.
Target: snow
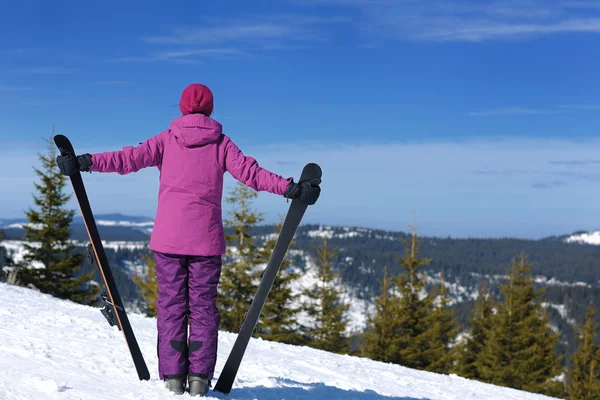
(562, 311)
(358, 308)
(122, 245)
(142, 226)
(585, 238)
(55, 349)
(16, 251)
(16, 248)
(346, 232)
(23, 225)
(329, 233)
(539, 279)
(542, 280)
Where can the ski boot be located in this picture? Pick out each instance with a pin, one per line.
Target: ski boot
(175, 384)
(199, 384)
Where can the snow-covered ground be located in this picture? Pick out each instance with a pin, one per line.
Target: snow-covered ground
(55, 349)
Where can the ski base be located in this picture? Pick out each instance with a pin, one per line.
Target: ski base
(114, 311)
(288, 230)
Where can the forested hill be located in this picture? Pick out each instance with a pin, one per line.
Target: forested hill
(569, 271)
(363, 252)
(366, 252)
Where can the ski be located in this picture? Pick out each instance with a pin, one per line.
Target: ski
(288, 230)
(113, 310)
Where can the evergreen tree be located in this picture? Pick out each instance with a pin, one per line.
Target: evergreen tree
(521, 347)
(3, 259)
(441, 333)
(149, 286)
(325, 306)
(237, 285)
(379, 340)
(51, 264)
(584, 375)
(278, 318)
(413, 334)
(9, 273)
(469, 352)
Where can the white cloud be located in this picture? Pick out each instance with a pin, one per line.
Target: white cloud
(237, 37)
(252, 29)
(472, 21)
(183, 56)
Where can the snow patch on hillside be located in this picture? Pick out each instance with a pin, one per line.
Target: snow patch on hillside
(456, 292)
(562, 311)
(142, 226)
(122, 245)
(358, 309)
(23, 225)
(585, 238)
(539, 279)
(16, 251)
(329, 233)
(55, 349)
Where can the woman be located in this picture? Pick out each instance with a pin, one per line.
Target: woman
(188, 239)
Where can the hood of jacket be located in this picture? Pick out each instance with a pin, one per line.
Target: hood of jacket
(196, 129)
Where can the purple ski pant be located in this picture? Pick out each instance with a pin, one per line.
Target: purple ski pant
(187, 288)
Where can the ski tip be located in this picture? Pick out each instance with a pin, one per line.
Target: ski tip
(311, 171)
(64, 145)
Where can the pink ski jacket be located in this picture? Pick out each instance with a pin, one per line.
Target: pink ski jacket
(192, 157)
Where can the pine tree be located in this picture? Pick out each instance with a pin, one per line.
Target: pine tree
(52, 265)
(237, 285)
(326, 307)
(379, 340)
(9, 273)
(3, 259)
(584, 375)
(521, 347)
(278, 318)
(441, 333)
(414, 310)
(149, 286)
(469, 352)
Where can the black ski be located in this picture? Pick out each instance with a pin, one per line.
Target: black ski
(288, 230)
(113, 310)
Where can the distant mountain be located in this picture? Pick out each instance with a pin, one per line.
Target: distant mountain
(114, 227)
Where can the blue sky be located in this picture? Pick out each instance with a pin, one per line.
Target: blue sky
(478, 117)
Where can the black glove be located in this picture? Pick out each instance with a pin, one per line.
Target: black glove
(70, 165)
(307, 192)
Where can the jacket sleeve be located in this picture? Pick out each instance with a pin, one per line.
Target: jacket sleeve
(246, 170)
(130, 159)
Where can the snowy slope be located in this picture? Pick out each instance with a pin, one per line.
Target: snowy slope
(54, 349)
